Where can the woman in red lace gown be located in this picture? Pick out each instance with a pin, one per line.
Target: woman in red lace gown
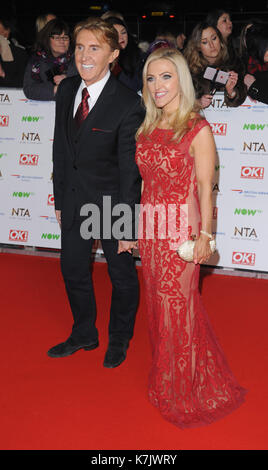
(190, 381)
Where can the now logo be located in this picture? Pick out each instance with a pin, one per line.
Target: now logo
(21, 194)
(253, 127)
(50, 236)
(245, 211)
(30, 118)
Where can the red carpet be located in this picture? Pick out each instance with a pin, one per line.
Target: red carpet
(75, 403)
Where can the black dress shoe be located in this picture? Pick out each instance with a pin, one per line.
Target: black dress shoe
(69, 347)
(116, 353)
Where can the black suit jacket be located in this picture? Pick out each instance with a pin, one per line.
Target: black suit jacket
(98, 159)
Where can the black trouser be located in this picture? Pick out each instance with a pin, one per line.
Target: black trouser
(76, 270)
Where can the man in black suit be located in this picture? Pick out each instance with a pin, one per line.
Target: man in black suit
(94, 166)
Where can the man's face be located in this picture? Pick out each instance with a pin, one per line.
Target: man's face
(92, 56)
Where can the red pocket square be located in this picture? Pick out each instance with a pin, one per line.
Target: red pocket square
(101, 130)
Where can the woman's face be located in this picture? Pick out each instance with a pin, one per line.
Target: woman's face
(265, 58)
(59, 44)
(163, 84)
(122, 35)
(180, 39)
(210, 45)
(4, 31)
(225, 25)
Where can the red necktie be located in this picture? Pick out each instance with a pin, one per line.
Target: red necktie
(83, 108)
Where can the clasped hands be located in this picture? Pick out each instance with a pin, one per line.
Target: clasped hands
(127, 246)
(123, 245)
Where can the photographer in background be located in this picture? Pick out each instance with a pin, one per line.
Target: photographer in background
(207, 48)
(51, 62)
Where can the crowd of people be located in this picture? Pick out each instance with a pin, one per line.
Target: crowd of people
(210, 44)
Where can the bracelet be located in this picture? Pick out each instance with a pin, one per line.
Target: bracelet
(209, 235)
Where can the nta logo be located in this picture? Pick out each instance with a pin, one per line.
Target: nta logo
(241, 257)
(30, 136)
(254, 147)
(20, 212)
(28, 159)
(218, 128)
(218, 103)
(4, 120)
(4, 98)
(247, 232)
(18, 235)
(253, 172)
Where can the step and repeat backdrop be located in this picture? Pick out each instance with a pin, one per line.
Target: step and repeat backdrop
(240, 188)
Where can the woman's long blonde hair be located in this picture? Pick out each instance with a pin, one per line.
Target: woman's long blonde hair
(187, 104)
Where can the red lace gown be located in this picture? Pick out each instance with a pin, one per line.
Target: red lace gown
(190, 381)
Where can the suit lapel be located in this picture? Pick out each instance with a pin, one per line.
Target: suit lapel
(69, 113)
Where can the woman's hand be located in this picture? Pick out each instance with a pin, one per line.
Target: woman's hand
(248, 80)
(2, 72)
(205, 101)
(202, 251)
(58, 78)
(231, 83)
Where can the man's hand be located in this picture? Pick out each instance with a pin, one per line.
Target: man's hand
(58, 217)
(126, 246)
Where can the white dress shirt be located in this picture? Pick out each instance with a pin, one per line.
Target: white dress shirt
(94, 91)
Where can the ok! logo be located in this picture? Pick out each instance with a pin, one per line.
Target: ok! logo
(252, 172)
(4, 121)
(241, 257)
(218, 128)
(28, 159)
(18, 235)
(50, 200)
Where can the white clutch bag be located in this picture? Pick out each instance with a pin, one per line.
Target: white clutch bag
(186, 249)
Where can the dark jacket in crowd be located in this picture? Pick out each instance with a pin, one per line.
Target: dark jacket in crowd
(38, 79)
(14, 71)
(259, 89)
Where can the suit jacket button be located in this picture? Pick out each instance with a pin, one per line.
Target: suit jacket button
(74, 167)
